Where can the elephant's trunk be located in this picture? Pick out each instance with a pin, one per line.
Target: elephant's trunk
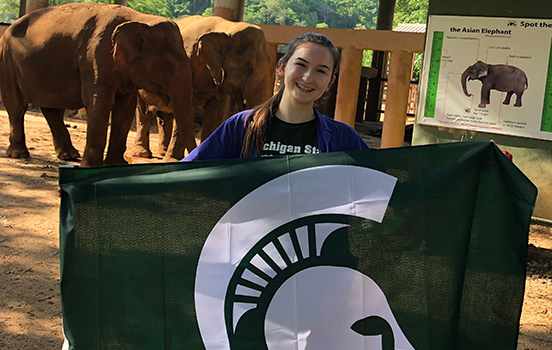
(465, 77)
(180, 93)
(184, 120)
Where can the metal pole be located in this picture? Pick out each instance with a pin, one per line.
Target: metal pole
(386, 10)
(22, 6)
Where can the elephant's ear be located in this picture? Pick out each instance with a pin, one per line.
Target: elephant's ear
(211, 49)
(483, 72)
(482, 69)
(127, 40)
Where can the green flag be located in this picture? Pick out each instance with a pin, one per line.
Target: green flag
(409, 248)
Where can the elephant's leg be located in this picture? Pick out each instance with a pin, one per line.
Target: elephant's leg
(177, 145)
(16, 108)
(215, 112)
(142, 139)
(165, 128)
(518, 99)
(62, 140)
(181, 140)
(121, 119)
(97, 110)
(508, 97)
(485, 95)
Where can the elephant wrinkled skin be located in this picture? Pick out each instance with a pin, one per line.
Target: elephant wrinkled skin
(94, 56)
(229, 60)
(499, 77)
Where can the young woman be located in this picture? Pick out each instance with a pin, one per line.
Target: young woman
(287, 123)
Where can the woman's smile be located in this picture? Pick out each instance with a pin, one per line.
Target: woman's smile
(304, 88)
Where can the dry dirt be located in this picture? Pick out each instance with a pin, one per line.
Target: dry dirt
(30, 309)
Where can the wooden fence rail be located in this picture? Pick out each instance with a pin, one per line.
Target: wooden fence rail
(402, 47)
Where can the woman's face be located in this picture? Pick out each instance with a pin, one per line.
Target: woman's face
(308, 73)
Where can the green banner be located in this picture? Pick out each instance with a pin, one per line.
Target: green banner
(409, 248)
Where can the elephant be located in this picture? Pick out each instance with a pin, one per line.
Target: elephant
(499, 77)
(146, 113)
(95, 56)
(229, 61)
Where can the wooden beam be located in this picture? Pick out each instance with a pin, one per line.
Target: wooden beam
(366, 39)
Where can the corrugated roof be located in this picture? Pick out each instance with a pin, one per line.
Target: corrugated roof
(410, 27)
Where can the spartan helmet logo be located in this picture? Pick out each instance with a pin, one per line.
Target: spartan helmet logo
(277, 272)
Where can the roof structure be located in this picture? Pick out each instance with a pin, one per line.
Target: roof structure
(410, 27)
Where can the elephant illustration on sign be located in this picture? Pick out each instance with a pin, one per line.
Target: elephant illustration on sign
(95, 56)
(229, 61)
(501, 77)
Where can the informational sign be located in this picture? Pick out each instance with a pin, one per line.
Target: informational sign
(488, 74)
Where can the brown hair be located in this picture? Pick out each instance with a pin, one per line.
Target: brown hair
(261, 115)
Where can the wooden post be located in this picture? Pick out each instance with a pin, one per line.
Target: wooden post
(347, 89)
(33, 5)
(398, 86)
(231, 10)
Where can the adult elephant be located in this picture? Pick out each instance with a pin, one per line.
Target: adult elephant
(229, 60)
(499, 77)
(94, 56)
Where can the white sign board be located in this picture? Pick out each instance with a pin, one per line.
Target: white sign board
(488, 74)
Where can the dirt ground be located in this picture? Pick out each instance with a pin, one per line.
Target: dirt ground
(30, 309)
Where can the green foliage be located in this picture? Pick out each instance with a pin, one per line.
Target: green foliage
(367, 58)
(9, 11)
(359, 14)
(153, 7)
(417, 66)
(410, 11)
(166, 8)
(313, 13)
(208, 12)
(61, 2)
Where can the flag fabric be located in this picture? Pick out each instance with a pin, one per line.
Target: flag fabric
(421, 247)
